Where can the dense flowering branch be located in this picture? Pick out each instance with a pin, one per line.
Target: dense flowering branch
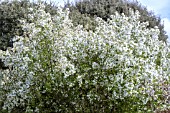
(121, 62)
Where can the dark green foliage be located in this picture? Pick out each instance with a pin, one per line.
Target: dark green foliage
(84, 9)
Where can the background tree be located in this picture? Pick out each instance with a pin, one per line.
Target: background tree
(84, 11)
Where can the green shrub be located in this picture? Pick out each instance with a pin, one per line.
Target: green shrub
(120, 67)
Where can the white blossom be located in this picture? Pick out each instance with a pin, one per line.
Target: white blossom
(121, 56)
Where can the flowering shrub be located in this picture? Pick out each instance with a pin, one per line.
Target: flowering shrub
(57, 67)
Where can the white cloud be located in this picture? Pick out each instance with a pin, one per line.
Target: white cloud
(166, 22)
(155, 5)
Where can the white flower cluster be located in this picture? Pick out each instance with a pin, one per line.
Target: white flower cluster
(122, 56)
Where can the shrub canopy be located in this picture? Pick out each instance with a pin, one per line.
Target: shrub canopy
(84, 11)
(57, 67)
